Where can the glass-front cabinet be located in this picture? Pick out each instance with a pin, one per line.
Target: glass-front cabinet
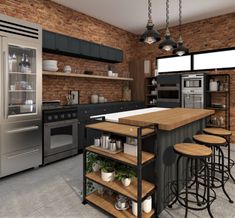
(21, 79)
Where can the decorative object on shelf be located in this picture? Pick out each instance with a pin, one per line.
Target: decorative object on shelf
(67, 69)
(24, 64)
(181, 49)
(125, 174)
(50, 65)
(93, 163)
(122, 203)
(130, 149)
(213, 85)
(126, 93)
(147, 205)
(94, 99)
(107, 171)
(101, 99)
(168, 42)
(154, 82)
(150, 36)
(110, 72)
(12, 63)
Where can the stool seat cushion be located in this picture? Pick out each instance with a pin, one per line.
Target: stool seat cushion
(218, 131)
(193, 150)
(209, 139)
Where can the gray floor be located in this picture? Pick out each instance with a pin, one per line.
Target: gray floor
(55, 190)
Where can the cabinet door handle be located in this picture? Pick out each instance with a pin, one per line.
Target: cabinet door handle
(22, 154)
(26, 129)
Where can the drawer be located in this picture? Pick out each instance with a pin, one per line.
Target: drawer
(19, 136)
(21, 160)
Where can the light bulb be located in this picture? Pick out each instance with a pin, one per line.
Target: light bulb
(167, 47)
(149, 40)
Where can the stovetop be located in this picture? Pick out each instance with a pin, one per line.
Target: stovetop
(55, 105)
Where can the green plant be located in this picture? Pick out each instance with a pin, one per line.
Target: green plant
(107, 166)
(124, 172)
(91, 159)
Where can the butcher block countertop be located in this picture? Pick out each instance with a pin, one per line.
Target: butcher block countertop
(168, 119)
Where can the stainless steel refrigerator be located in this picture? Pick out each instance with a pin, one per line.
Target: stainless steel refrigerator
(20, 95)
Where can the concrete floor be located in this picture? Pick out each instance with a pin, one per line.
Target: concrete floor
(55, 191)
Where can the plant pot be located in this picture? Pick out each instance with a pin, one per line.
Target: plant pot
(96, 166)
(107, 176)
(126, 181)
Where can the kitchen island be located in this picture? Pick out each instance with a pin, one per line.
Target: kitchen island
(174, 126)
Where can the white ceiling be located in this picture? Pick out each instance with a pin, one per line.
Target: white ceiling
(131, 15)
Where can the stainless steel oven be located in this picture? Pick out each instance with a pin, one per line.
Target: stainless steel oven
(193, 91)
(60, 134)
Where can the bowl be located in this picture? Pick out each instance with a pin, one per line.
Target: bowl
(50, 62)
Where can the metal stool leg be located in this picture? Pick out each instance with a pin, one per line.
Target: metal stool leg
(177, 183)
(223, 182)
(186, 189)
(229, 167)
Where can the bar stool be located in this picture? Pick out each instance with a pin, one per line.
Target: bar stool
(226, 134)
(215, 143)
(194, 152)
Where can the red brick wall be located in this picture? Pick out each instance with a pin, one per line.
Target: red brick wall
(57, 18)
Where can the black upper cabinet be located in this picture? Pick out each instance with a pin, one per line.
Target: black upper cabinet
(49, 40)
(61, 44)
(84, 48)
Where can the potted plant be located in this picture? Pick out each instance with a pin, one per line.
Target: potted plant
(93, 163)
(125, 174)
(107, 171)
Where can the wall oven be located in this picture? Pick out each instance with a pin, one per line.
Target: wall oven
(168, 90)
(193, 91)
(60, 134)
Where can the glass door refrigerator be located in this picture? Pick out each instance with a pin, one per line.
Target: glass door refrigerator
(20, 95)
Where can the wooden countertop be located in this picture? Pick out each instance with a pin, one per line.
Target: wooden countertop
(169, 119)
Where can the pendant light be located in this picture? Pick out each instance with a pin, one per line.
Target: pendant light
(168, 43)
(150, 36)
(181, 49)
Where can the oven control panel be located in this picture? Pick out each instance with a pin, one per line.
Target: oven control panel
(56, 115)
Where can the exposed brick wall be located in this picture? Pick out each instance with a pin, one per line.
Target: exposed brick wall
(57, 18)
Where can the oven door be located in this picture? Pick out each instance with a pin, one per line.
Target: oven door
(60, 136)
(192, 100)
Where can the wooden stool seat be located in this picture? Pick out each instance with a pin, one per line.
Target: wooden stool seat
(193, 150)
(217, 131)
(209, 139)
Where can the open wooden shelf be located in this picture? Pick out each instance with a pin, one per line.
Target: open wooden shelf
(129, 191)
(122, 157)
(121, 129)
(107, 203)
(47, 73)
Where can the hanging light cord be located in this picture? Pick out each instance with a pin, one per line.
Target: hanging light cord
(167, 13)
(149, 11)
(180, 16)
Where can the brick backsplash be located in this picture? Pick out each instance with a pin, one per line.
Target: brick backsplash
(213, 33)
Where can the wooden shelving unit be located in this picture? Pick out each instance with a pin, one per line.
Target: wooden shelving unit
(107, 202)
(220, 96)
(148, 88)
(47, 73)
(124, 158)
(139, 189)
(130, 191)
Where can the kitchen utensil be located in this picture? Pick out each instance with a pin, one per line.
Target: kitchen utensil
(119, 144)
(97, 141)
(112, 146)
(105, 141)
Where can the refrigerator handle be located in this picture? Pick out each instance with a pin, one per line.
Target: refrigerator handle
(5, 85)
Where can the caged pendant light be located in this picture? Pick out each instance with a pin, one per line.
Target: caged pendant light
(168, 42)
(150, 36)
(181, 49)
